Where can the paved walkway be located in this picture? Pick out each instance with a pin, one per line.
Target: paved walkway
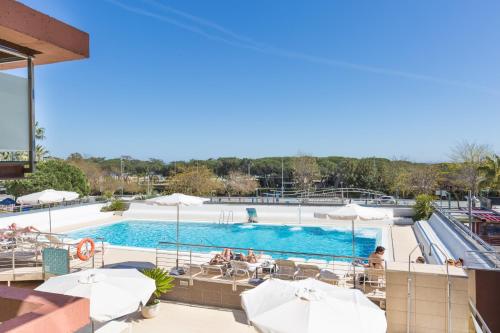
(176, 317)
(403, 242)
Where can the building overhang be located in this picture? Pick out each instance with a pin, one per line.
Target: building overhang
(35, 34)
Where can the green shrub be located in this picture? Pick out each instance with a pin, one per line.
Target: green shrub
(164, 283)
(115, 206)
(423, 207)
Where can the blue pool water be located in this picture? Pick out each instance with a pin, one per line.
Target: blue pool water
(324, 240)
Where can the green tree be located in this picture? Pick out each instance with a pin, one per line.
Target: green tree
(470, 156)
(305, 171)
(51, 174)
(194, 180)
(238, 183)
(491, 173)
(423, 207)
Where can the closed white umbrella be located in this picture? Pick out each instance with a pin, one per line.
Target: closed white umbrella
(112, 293)
(310, 306)
(177, 199)
(47, 197)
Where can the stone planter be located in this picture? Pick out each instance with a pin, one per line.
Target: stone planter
(150, 311)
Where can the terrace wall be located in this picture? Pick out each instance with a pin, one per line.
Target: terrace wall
(428, 298)
(206, 293)
(61, 217)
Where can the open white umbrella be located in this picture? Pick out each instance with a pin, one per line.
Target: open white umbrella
(47, 197)
(354, 212)
(177, 199)
(112, 293)
(310, 306)
(357, 212)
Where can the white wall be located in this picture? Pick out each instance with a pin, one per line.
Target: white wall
(60, 217)
(211, 213)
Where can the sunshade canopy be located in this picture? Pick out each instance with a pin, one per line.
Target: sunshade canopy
(177, 199)
(47, 197)
(112, 292)
(356, 212)
(310, 306)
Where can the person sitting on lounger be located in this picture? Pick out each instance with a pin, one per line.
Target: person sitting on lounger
(376, 259)
(251, 257)
(29, 228)
(227, 254)
(217, 260)
(6, 234)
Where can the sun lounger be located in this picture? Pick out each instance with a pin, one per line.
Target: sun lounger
(329, 276)
(252, 215)
(305, 271)
(285, 269)
(375, 277)
(239, 268)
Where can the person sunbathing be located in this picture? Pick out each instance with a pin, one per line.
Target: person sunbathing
(6, 234)
(227, 254)
(376, 259)
(251, 257)
(27, 229)
(217, 260)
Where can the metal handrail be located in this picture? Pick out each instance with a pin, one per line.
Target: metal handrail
(408, 305)
(22, 209)
(493, 256)
(448, 283)
(311, 254)
(481, 326)
(32, 241)
(165, 257)
(462, 229)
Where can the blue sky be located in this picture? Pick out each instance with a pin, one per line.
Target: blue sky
(198, 79)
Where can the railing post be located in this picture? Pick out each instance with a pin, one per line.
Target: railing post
(156, 256)
(190, 267)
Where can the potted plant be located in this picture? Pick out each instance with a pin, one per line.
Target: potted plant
(164, 283)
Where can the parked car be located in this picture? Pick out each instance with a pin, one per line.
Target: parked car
(386, 199)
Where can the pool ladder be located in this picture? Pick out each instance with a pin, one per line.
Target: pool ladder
(226, 216)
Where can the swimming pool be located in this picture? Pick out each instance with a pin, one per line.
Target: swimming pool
(324, 240)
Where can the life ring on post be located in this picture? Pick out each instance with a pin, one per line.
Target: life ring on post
(82, 249)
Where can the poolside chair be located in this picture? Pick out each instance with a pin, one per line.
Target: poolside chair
(329, 276)
(207, 267)
(375, 277)
(241, 268)
(252, 215)
(305, 271)
(285, 269)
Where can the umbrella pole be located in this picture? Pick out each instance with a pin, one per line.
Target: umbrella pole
(50, 221)
(353, 253)
(353, 240)
(177, 257)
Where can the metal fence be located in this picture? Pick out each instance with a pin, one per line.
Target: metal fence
(21, 255)
(313, 201)
(195, 262)
(28, 208)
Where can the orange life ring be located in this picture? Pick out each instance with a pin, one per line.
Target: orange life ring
(82, 250)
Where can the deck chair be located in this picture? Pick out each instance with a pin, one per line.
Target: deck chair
(329, 276)
(241, 268)
(252, 215)
(305, 271)
(375, 277)
(285, 269)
